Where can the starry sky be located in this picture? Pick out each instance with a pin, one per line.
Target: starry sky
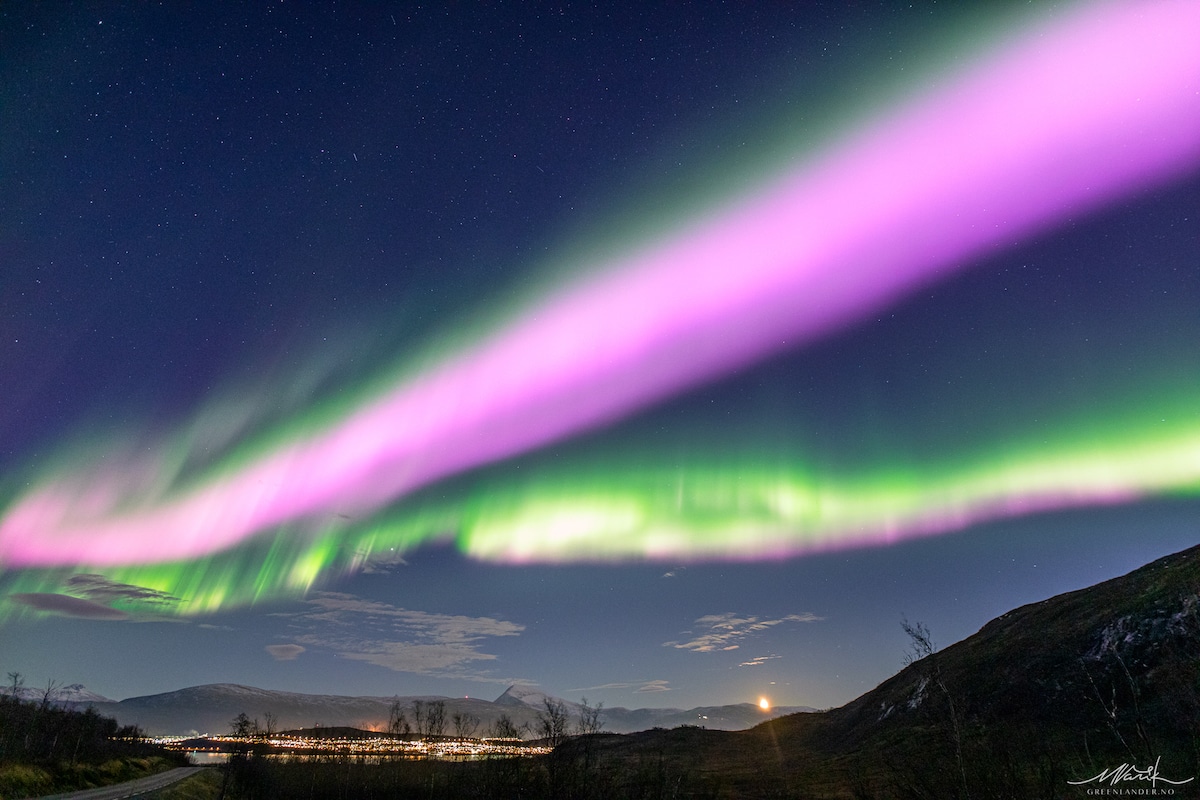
(664, 356)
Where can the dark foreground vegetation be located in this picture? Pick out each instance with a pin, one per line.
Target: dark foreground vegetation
(47, 749)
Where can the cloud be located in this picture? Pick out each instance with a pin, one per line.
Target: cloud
(757, 661)
(91, 596)
(719, 632)
(104, 590)
(422, 659)
(399, 639)
(345, 609)
(67, 606)
(623, 685)
(382, 563)
(284, 652)
(641, 686)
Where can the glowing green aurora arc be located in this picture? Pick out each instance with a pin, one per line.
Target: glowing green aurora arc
(1042, 127)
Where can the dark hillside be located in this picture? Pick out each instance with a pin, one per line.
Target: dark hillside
(1050, 692)
(1120, 657)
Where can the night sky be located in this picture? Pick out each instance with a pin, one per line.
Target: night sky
(667, 356)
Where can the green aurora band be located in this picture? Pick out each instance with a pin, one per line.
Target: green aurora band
(764, 500)
(609, 512)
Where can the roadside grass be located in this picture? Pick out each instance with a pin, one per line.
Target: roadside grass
(32, 780)
(204, 785)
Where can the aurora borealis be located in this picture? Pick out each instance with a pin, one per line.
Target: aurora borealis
(569, 425)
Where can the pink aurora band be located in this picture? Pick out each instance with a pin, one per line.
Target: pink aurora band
(1089, 107)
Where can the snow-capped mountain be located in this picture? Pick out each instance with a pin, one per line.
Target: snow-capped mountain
(211, 708)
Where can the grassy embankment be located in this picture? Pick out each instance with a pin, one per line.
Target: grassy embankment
(46, 749)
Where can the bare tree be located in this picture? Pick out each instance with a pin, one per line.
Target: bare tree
(465, 724)
(269, 724)
(242, 726)
(435, 718)
(52, 687)
(16, 682)
(505, 728)
(398, 724)
(419, 716)
(590, 717)
(923, 648)
(552, 721)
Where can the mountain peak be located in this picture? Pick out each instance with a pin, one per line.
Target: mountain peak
(522, 695)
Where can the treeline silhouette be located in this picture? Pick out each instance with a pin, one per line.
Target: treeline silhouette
(37, 733)
(46, 747)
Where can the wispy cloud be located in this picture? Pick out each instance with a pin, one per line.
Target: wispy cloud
(423, 659)
(653, 686)
(92, 596)
(67, 606)
(382, 563)
(105, 590)
(717, 632)
(285, 652)
(618, 685)
(636, 686)
(400, 639)
(757, 661)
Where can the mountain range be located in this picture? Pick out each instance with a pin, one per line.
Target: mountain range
(211, 708)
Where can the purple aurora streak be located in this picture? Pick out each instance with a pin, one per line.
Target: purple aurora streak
(1090, 106)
